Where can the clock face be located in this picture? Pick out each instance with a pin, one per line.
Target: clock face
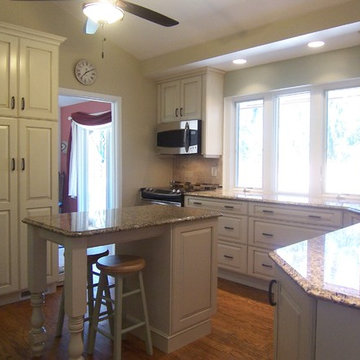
(85, 72)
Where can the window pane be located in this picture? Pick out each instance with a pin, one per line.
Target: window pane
(293, 143)
(249, 139)
(343, 142)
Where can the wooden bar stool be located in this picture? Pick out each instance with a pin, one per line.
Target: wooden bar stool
(119, 266)
(93, 255)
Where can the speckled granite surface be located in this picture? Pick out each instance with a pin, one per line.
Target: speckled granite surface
(327, 267)
(114, 220)
(277, 199)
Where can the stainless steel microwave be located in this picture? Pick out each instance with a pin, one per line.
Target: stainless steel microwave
(179, 137)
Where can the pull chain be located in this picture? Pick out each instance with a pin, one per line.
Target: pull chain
(103, 41)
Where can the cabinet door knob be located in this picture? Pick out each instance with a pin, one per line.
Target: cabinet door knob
(181, 111)
(270, 294)
(12, 164)
(22, 103)
(12, 103)
(177, 112)
(22, 164)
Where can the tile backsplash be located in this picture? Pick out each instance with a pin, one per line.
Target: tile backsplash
(197, 169)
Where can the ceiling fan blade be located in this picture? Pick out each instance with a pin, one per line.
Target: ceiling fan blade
(90, 26)
(146, 14)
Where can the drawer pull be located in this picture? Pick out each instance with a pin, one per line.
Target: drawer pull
(268, 211)
(267, 234)
(318, 217)
(228, 257)
(228, 228)
(228, 207)
(270, 293)
(12, 164)
(197, 203)
(12, 103)
(267, 266)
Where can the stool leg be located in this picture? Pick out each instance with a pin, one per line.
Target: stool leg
(148, 340)
(95, 319)
(109, 307)
(90, 291)
(118, 317)
(61, 315)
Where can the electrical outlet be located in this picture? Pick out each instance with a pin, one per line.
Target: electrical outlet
(214, 171)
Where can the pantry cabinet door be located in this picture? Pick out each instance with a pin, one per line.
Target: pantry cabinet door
(9, 278)
(38, 80)
(38, 182)
(8, 75)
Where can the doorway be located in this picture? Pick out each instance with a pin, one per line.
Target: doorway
(98, 180)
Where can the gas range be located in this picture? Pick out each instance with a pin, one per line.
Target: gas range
(174, 194)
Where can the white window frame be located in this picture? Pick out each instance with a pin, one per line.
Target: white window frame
(317, 150)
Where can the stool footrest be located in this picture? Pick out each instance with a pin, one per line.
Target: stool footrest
(129, 293)
(132, 327)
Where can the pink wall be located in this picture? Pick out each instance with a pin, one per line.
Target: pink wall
(90, 107)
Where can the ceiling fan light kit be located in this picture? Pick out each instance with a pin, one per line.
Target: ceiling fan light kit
(103, 12)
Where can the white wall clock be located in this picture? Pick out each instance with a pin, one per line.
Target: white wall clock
(85, 72)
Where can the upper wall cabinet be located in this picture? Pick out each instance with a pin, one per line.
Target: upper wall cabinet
(196, 95)
(181, 99)
(29, 73)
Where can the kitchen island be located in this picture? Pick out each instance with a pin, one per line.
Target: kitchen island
(179, 247)
(317, 297)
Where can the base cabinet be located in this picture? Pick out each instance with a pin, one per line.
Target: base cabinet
(294, 322)
(306, 328)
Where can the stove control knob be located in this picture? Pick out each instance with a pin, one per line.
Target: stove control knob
(178, 191)
(173, 191)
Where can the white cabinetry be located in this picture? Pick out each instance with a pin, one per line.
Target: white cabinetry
(272, 226)
(181, 99)
(307, 328)
(249, 230)
(28, 141)
(195, 96)
(28, 74)
(294, 321)
(232, 232)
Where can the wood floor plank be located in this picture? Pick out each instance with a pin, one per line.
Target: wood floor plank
(242, 329)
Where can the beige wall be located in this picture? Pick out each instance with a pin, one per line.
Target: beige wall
(118, 75)
(315, 69)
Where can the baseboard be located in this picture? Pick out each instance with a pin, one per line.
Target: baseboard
(256, 283)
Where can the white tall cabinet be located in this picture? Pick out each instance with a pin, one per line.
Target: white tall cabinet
(28, 148)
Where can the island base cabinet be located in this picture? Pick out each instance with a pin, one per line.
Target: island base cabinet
(337, 332)
(180, 282)
(294, 322)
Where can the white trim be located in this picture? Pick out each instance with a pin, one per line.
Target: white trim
(317, 152)
(116, 103)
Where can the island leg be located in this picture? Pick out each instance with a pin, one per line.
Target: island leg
(75, 293)
(37, 286)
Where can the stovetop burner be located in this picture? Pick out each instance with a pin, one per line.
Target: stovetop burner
(175, 193)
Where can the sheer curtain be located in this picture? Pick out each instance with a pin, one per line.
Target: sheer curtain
(81, 127)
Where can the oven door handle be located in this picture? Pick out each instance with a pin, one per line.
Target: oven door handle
(187, 137)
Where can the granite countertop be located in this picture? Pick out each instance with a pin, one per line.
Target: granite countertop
(277, 199)
(113, 220)
(327, 267)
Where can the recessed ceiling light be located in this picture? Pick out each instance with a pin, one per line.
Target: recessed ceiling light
(240, 61)
(316, 44)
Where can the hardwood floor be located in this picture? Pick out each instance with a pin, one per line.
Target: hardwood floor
(242, 329)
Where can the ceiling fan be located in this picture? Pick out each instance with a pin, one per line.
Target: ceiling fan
(100, 12)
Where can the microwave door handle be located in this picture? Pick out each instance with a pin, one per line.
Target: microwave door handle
(187, 137)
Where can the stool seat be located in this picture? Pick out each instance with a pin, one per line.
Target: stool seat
(95, 253)
(120, 264)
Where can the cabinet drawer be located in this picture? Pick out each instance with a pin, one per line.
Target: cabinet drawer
(230, 207)
(273, 235)
(233, 229)
(259, 263)
(232, 258)
(306, 215)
